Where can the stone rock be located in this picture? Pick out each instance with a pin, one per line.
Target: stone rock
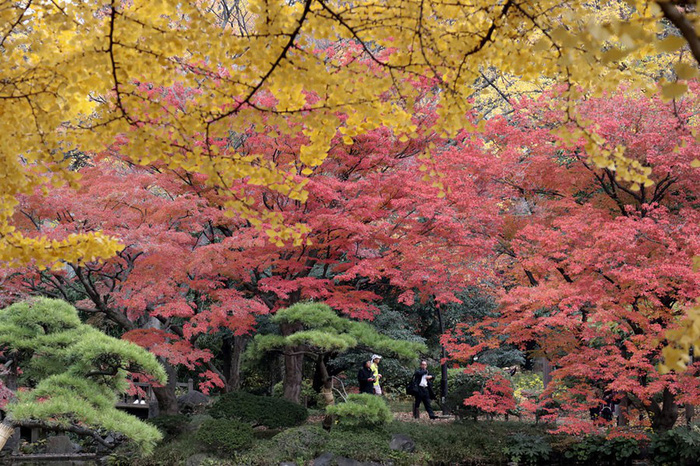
(192, 402)
(287, 463)
(401, 442)
(60, 444)
(326, 459)
(196, 460)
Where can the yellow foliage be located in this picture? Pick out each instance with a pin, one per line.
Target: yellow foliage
(71, 70)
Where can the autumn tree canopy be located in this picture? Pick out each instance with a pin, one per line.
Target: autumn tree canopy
(595, 273)
(76, 74)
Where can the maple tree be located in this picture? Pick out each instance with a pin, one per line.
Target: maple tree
(595, 272)
(74, 72)
(377, 225)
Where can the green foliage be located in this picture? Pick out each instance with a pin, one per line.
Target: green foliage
(226, 436)
(599, 449)
(73, 371)
(171, 426)
(360, 444)
(529, 449)
(465, 442)
(299, 444)
(173, 452)
(527, 383)
(259, 410)
(361, 410)
(676, 446)
(324, 331)
(393, 324)
(301, 441)
(461, 386)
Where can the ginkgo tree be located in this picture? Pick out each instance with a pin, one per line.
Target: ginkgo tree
(76, 74)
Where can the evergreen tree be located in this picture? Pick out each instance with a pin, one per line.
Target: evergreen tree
(71, 374)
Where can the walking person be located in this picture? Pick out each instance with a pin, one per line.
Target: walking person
(375, 371)
(365, 378)
(423, 383)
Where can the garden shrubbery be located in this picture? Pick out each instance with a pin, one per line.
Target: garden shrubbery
(597, 449)
(361, 410)
(527, 448)
(259, 410)
(364, 431)
(225, 436)
(170, 425)
(677, 446)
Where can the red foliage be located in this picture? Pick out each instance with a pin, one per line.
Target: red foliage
(593, 271)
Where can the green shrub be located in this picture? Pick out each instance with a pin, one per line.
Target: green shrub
(361, 410)
(529, 449)
(305, 441)
(677, 446)
(360, 444)
(599, 449)
(169, 453)
(170, 425)
(259, 410)
(465, 442)
(298, 444)
(225, 435)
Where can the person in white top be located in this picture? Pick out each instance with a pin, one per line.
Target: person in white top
(423, 381)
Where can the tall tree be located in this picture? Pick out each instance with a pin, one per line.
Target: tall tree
(75, 74)
(375, 224)
(596, 272)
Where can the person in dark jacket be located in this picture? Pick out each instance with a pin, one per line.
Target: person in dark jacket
(423, 383)
(365, 378)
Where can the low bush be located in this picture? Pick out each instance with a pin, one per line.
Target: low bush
(176, 451)
(360, 444)
(469, 442)
(298, 444)
(597, 449)
(677, 446)
(361, 410)
(527, 448)
(305, 441)
(170, 426)
(259, 410)
(225, 436)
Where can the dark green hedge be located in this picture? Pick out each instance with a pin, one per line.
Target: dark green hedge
(225, 436)
(257, 410)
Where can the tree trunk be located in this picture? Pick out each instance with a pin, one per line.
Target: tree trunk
(689, 408)
(546, 372)
(327, 388)
(664, 417)
(293, 365)
(622, 418)
(232, 353)
(326, 391)
(167, 401)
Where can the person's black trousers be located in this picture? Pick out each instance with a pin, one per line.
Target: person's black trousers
(423, 397)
